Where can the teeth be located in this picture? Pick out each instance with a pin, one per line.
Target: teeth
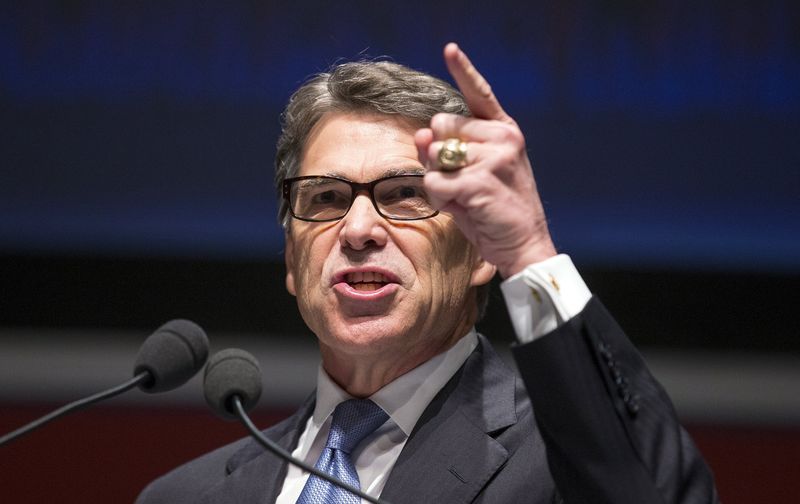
(370, 277)
(367, 286)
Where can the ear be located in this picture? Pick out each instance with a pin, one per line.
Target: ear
(482, 272)
(288, 256)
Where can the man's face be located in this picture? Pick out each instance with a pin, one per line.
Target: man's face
(368, 286)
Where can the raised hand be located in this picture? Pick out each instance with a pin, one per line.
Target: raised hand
(493, 198)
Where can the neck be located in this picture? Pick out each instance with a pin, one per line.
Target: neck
(363, 375)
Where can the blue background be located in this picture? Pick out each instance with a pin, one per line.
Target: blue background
(662, 135)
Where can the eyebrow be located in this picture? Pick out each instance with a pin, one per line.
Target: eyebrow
(313, 182)
(390, 172)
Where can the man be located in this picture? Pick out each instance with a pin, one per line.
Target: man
(401, 200)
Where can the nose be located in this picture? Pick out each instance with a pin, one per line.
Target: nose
(363, 227)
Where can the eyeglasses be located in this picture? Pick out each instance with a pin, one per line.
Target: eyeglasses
(319, 198)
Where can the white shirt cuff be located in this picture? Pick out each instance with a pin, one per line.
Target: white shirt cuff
(543, 296)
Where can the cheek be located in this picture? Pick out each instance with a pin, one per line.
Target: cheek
(311, 254)
(307, 277)
(301, 263)
(452, 247)
(448, 260)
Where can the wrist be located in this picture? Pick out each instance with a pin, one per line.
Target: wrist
(535, 253)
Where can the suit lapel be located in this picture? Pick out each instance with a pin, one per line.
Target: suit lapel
(449, 457)
(452, 454)
(255, 475)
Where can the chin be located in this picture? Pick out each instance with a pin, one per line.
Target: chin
(365, 335)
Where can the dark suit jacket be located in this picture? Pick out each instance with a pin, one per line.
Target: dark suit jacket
(604, 432)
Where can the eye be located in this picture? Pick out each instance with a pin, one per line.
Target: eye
(326, 197)
(398, 190)
(407, 191)
(315, 197)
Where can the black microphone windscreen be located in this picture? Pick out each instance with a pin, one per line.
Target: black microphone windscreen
(231, 372)
(173, 354)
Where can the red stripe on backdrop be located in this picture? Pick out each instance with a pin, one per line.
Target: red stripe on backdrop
(752, 464)
(108, 454)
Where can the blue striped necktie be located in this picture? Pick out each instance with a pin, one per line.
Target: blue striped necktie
(353, 420)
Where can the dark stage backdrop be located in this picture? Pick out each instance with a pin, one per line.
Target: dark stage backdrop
(663, 134)
(136, 142)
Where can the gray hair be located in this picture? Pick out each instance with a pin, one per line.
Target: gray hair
(381, 87)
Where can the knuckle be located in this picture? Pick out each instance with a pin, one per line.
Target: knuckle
(485, 89)
(511, 134)
(507, 156)
(438, 121)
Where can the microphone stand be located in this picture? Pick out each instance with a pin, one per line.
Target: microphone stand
(74, 406)
(280, 452)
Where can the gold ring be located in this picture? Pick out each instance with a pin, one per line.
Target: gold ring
(453, 154)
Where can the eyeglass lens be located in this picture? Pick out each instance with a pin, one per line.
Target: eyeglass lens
(323, 198)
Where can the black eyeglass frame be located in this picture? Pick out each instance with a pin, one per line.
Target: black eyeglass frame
(355, 188)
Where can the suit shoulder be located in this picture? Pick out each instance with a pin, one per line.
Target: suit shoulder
(184, 483)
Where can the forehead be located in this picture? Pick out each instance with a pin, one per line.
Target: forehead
(360, 147)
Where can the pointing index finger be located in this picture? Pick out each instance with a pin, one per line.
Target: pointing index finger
(476, 89)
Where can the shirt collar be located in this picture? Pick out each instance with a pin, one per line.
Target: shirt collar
(405, 398)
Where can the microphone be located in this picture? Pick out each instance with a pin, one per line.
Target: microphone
(167, 359)
(232, 386)
(171, 356)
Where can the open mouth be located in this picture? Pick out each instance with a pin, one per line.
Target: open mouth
(366, 280)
